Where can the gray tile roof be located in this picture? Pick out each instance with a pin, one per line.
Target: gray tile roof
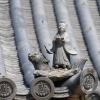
(7, 36)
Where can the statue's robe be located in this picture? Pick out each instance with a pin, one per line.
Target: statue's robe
(62, 49)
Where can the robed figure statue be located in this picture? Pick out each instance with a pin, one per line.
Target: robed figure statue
(62, 48)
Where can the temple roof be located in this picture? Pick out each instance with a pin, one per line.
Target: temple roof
(8, 47)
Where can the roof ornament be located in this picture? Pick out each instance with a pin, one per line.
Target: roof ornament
(88, 80)
(61, 69)
(47, 77)
(7, 89)
(62, 48)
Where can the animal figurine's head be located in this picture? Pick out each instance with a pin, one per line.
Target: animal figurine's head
(38, 61)
(35, 58)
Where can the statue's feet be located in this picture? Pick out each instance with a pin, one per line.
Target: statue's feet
(63, 66)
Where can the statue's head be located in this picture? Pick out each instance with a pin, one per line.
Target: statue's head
(34, 57)
(62, 27)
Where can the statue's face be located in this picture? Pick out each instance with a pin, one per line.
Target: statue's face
(34, 57)
(62, 27)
